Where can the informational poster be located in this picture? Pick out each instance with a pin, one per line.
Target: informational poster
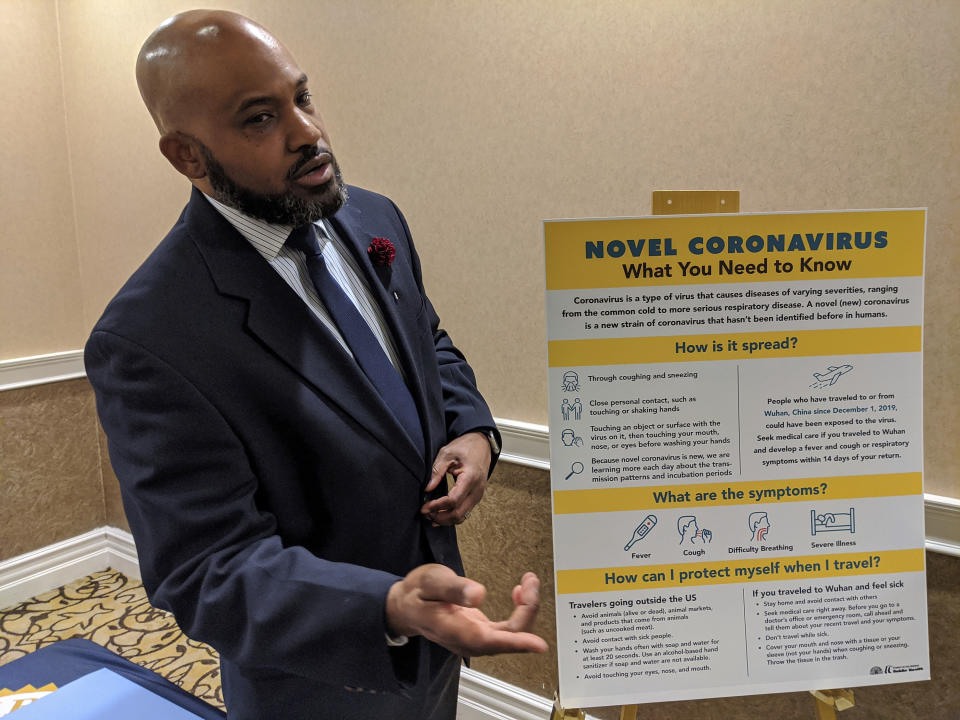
(736, 453)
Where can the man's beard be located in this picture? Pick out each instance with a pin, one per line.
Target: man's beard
(280, 208)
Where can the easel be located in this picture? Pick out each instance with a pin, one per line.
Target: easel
(627, 712)
(831, 701)
(701, 202)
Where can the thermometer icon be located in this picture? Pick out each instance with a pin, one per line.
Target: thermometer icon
(643, 529)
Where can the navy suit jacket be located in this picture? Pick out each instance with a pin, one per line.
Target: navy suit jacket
(272, 495)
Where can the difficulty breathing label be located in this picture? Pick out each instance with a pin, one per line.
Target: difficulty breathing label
(736, 453)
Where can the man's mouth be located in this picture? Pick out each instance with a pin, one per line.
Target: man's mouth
(316, 171)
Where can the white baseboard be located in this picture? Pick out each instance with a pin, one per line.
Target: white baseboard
(50, 567)
(122, 552)
(485, 698)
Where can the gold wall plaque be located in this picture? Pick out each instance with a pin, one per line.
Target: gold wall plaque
(695, 202)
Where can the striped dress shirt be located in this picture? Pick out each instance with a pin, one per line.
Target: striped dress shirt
(270, 241)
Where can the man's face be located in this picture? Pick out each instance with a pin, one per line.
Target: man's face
(263, 144)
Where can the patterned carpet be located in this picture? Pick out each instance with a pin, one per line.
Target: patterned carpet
(112, 610)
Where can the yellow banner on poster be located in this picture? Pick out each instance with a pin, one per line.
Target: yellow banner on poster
(733, 346)
(686, 250)
(620, 499)
(692, 574)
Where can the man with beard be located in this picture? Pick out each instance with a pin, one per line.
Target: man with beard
(283, 409)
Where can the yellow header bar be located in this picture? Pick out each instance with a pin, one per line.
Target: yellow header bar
(646, 577)
(727, 248)
(733, 346)
(739, 493)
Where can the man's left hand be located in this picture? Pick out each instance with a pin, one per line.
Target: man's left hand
(467, 459)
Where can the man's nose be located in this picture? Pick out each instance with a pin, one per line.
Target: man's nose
(304, 131)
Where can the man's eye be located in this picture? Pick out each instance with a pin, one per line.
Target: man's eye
(258, 119)
(305, 98)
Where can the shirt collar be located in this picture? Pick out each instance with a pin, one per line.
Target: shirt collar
(267, 238)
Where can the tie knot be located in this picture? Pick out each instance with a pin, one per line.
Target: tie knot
(304, 239)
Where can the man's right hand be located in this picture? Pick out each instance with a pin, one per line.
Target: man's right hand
(433, 601)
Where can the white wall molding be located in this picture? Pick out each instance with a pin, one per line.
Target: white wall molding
(23, 372)
(485, 698)
(942, 518)
(49, 567)
(524, 443)
(121, 551)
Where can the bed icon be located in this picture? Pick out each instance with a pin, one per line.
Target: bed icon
(832, 522)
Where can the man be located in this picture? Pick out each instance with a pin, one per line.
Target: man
(284, 483)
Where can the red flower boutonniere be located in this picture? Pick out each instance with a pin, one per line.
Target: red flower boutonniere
(381, 252)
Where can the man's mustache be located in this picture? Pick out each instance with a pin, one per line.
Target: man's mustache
(308, 154)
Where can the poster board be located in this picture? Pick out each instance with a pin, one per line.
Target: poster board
(736, 453)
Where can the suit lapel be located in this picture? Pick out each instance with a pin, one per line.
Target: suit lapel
(287, 327)
(349, 225)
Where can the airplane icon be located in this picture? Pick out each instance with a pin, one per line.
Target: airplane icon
(831, 376)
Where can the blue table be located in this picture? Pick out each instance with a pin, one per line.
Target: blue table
(70, 659)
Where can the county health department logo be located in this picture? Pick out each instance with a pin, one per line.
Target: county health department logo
(888, 669)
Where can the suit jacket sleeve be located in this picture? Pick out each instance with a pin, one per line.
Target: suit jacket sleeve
(210, 555)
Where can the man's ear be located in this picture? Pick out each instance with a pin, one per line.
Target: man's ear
(184, 154)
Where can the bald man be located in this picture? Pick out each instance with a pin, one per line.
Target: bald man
(284, 412)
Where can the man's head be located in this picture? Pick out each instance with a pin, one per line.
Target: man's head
(687, 526)
(236, 117)
(758, 519)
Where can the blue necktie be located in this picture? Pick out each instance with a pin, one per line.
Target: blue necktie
(365, 347)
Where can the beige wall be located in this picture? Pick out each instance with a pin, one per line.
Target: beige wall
(483, 118)
(40, 293)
